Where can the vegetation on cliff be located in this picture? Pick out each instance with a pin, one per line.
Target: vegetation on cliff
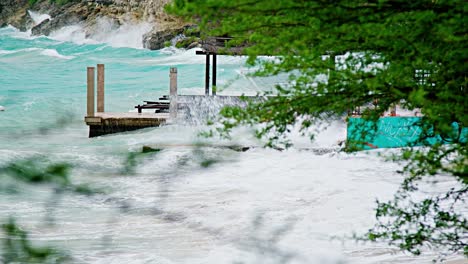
(59, 2)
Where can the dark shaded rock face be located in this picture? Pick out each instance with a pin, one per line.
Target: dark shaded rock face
(14, 12)
(47, 26)
(88, 14)
(7, 9)
(42, 27)
(156, 39)
(67, 15)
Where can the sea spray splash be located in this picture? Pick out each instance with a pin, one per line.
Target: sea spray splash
(55, 54)
(38, 17)
(128, 34)
(225, 197)
(105, 30)
(198, 110)
(72, 33)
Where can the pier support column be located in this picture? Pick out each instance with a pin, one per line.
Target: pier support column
(173, 107)
(207, 74)
(90, 92)
(213, 84)
(100, 88)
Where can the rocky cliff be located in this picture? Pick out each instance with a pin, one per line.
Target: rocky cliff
(14, 12)
(88, 13)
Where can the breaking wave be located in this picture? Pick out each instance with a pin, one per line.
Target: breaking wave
(38, 17)
(45, 52)
(54, 53)
(105, 31)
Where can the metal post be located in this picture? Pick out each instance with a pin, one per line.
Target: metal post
(207, 74)
(173, 107)
(100, 88)
(90, 91)
(213, 85)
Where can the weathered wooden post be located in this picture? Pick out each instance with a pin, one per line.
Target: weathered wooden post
(90, 91)
(100, 88)
(173, 107)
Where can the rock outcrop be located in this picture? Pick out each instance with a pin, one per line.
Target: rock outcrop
(69, 14)
(88, 13)
(14, 12)
(157, 39)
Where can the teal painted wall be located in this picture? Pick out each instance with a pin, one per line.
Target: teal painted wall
(392, 132)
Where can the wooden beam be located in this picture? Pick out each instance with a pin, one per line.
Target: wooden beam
(90, 92)
(100, 88)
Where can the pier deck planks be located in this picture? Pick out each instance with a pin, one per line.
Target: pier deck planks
(108, 123)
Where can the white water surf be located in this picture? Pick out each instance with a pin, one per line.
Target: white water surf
(170, 208)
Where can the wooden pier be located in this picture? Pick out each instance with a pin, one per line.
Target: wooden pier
(109, 123)
(103, 123)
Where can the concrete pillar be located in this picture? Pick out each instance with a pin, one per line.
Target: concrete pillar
(100, 88)
(90, 92)
(173, 107)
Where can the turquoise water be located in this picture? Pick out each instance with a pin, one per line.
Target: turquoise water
(179, 211)
(43, 85)
(42, 79)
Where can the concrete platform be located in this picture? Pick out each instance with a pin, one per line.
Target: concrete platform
(108, 123)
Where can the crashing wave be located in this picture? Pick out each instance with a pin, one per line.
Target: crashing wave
(37, 17)
(104, 31)
(54, 53)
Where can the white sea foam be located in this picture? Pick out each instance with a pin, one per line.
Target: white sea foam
(16, 33)
(7, 52)
(179, 211)
(242, 82)
(104, 31)
(45, 52)
(54, 53)
(37, 17)
(7, 29)
(2, 108)
(188, 57)
(171, 50)
(126, 35)
(73, 33)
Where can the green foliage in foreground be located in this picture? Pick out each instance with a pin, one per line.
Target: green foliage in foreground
(437, 220)
(15, 243)
(423, 223)
(345, 54)
(37, 171)
(17, 248)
